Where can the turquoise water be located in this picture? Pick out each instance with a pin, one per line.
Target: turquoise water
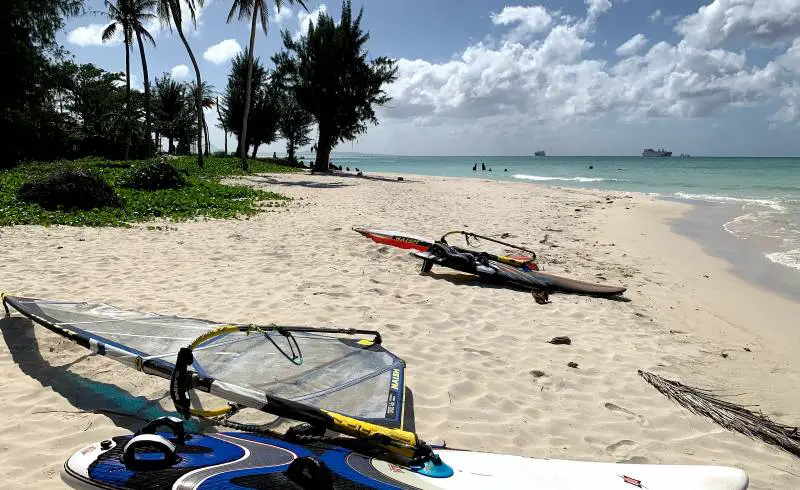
(767, 190)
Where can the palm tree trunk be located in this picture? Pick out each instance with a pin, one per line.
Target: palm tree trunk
(207, 147)
(128, 93)
(147, 127)
(249, 82)
(198, 97)
(224, 129)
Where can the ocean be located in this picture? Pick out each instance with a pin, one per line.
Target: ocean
(763, 193)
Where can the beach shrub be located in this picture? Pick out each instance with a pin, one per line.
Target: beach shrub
(154, 175)
(69, 190)
(203, 195)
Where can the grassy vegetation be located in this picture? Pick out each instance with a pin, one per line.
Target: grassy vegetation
(202, 196)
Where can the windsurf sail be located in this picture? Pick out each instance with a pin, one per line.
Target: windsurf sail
(396, 239)
(339, 379)
(412, 242)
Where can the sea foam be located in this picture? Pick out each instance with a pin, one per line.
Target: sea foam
(769, 203)
(571, 179)
(789, 259)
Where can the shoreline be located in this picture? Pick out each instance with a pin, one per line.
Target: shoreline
(747, 258)
(479, 363)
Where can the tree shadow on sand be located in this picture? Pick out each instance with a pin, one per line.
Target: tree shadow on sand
(474, 281)
(259, 179)
(123, 408)
(377, 178)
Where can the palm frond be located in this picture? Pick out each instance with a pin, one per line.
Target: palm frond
(192, 6)
(733, 417)
(109, 31)
(237, 5)
(164, 12)
(263, 13)
(147, 37)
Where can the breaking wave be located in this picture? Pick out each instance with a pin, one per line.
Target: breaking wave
(789, 259)
(571, 179)
(769, 203)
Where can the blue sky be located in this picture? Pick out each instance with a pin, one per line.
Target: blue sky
(593, 77)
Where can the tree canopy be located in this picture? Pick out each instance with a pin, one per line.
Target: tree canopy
(53, 108)
(294, 124)
(28, 121)
(330, 77)
(262, 120)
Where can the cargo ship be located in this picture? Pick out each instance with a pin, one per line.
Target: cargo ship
(649, 152)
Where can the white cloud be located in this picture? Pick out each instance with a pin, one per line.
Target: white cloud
(632, 45)
(92, 35)
(551, 80)
(179, 72)
(527, 20)
(597, 7)
(222, 51)
(305, 18)
(136, 82)
(279, 16)
(765, 21)
(654, 16)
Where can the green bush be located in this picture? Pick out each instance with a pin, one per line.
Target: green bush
(154, 175)
(69, 190)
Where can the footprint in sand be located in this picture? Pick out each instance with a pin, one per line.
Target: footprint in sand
(639, 418)
(477, 351)
(621, 449)
(635, 460)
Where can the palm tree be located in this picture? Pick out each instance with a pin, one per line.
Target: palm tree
(169, 11)
(254, 10)
(208, 101)
(169, 105)
(130, 16)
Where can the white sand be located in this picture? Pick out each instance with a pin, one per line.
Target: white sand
(471, 351)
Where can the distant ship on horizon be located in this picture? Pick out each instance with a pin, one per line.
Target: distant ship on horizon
(649, 152)
(539, 153)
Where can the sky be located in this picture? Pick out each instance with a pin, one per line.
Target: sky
(572, 77)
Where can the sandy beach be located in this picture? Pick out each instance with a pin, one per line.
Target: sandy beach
(482, 372)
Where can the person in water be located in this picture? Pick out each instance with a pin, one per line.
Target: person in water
(475, 167)
(483, 166)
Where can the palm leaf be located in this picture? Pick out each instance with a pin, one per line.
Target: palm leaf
(109, 32)
(737, 418)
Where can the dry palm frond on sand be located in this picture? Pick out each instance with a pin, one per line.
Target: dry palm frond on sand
(733, 417)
